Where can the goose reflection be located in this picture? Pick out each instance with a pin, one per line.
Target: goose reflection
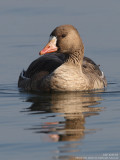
(68, 114)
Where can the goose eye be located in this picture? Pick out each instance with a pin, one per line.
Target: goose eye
(63, 35)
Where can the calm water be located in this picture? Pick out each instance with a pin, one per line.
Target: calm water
(63, 125)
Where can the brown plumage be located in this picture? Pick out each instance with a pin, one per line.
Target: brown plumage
(65, 70)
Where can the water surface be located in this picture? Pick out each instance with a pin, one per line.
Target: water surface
(64, 126)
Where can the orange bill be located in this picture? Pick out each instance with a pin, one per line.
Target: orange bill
(50, 47)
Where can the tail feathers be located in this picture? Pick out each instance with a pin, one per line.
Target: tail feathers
(22, 76)
(23, 82)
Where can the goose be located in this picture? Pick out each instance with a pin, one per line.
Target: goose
(62, 65)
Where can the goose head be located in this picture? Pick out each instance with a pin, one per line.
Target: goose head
(63, 39)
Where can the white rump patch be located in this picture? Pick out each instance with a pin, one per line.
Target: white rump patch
(102, 75)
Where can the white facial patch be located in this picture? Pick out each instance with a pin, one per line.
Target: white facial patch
(53, 39)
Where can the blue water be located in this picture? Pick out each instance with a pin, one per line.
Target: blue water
(62, 125)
